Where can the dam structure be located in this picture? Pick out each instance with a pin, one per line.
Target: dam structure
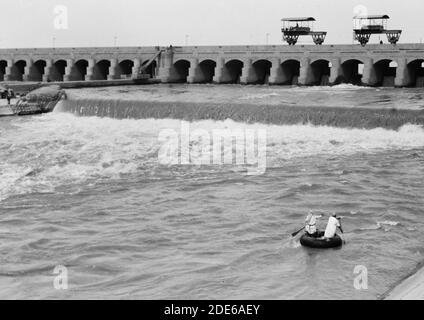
(388, 65)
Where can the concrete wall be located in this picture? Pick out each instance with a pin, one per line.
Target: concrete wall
(373, 65)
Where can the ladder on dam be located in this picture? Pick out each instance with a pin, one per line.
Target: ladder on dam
(142, 71)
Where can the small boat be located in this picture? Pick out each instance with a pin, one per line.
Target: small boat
(319, 242)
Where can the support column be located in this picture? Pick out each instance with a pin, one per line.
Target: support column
(113, 70)
(370, 76)
(277, 74)
(403, 76)
(8, 75)
(136, 68)
(166, 66)
(27, 70)
(33, 72)
(221, 72)
(248, 74)
(48, 70)
(70, 65)
(336, 71)
(194, 73)
(3, 74)
(90, 69)
(306, 76)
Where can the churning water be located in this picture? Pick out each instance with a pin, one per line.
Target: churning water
(83, 187)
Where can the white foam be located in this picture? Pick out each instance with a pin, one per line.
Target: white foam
(260, 96)
(389, 223)
(339, 87)
(57, 149)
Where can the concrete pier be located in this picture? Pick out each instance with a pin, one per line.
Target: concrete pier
(372, 65)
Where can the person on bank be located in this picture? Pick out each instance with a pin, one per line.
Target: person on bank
(332, 225)
(9, 95)
(311, 224)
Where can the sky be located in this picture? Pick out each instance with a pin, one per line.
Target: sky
(95, 23)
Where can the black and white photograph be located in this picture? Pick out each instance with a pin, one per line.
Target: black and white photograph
(211, 150)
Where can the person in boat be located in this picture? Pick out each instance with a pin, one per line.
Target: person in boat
(311, 225)
(332, 225)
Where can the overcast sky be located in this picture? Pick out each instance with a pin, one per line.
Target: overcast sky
(31, 23)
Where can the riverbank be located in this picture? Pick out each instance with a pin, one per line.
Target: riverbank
(410, 288)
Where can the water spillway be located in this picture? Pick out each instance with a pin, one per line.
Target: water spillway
(348, 108)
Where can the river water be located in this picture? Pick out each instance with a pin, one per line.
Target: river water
(84, 187)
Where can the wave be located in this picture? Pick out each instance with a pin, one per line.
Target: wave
(342, 117)
(58, 152)
(338, 87)
(389, 223)
(260, 96)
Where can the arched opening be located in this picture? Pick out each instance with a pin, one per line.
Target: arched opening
(125, 69)
(207, 70)
(79, 70)
(18, 70)
(321, 72)
(385, 71)
(352, 72)
(416, 73)
(101, 70)
(38, 70)
(234, 69)
(262, 70)
(181, 68)
(3, 65)
(57, 71)
(290, 72)
(151, 69)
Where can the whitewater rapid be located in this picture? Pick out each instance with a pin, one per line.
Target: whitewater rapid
(84, 187)
(60, 148)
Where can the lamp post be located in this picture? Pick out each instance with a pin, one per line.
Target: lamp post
(186, 39)
(267, 38)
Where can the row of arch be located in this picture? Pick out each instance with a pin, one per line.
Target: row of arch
(351, 72)
(78, 71)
